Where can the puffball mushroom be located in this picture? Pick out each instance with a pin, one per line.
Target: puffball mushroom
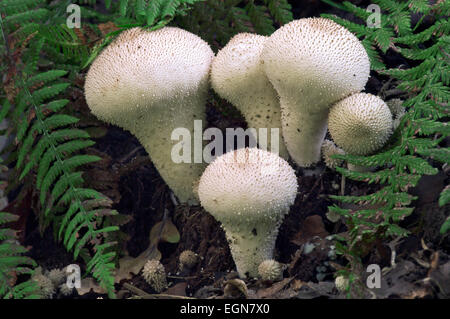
(271, 270)
(150, 83)
(360, 124)
(312, 63)
(249, 191)
(237, 75)
(154, 274)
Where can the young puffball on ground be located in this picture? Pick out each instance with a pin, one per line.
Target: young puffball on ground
(150, 83)
(237, 75)
(249, 191)
(360, 124)
(312, 63)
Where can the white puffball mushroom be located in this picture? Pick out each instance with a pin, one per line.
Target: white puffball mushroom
(341, 283)
(237, 75)
(312, 63)
(188, 259)
(150, 83)
(155, 275)
(57, 276)
(46, 287)
(65, 290)
(329, 149)
(249, 191)
(271, 270)
(360, 124)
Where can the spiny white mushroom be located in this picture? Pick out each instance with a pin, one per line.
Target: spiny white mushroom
(57, 276)
(237, 75)
(341, 283)
(329, 149)
(271, 270)
(65, 290)
(188, 259)
(360, 124)
(151, 82)
(312, 63)
(249, 191)
(155, 275)
(46, 287)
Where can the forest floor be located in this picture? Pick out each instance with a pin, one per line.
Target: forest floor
(420, 269)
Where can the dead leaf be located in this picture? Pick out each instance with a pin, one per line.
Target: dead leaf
(129, 266)
(312, 226)
(164, 231)
(177, 290)
(275, 289)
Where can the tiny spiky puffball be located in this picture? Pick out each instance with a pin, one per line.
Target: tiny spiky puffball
(65, 290)
(249, 191)
(341, 283)
(329, 149)
(155, 275)
(57, 276)
(237, 75)
(152, 83)
(360, 124)
(188, 259)
(44, 283)
(270, 270)
(312, 63)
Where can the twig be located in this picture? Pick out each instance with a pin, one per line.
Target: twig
(144, 295)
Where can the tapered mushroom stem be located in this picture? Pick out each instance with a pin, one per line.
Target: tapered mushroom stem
(156, 139)
(252, 242)
(298, 130)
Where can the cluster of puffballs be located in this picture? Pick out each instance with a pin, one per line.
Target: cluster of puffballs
(307, 76)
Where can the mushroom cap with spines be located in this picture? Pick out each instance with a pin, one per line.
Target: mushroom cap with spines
(188, 259)
(237, 75)
(65, 290)
(328, 150)
(312, 63)
(360, 124)
(45, 285)
(155, 275)
(341, 283)
(270, 270)
(150, 83)
(57, 276)
(249, 191)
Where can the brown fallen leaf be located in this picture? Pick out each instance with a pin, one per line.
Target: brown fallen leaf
(275, 289)
(312, 226)
(177, 290)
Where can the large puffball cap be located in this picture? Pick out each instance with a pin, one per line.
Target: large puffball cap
(141, 67)
(248, 182)
(320, 53)
(360, 124)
